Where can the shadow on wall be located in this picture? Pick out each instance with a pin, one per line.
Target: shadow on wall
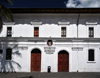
(54, 18)
(9, 65)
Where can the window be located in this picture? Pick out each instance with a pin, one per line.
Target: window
(1, 52)
(91, 55)
(8, 54)
(91, 32)
(36, 31)
(9, 31)
(63, 31)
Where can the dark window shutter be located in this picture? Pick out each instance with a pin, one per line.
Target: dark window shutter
(91, 55)
(8, 54)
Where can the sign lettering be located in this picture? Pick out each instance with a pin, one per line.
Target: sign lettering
(49, 50)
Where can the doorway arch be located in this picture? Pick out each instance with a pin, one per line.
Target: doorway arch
(36, 60)
(63, 61)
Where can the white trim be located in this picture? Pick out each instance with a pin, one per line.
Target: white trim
(9, 23)
(77, 40)
(92, 22)
(36, 22)
(36, 25)
(63, 25)
(77, 48)
(22, 48)
(63, 22)
(91, 61)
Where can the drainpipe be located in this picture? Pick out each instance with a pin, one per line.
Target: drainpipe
(78, 23)
(77, 43)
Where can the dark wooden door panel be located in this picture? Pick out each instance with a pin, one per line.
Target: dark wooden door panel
(35, 61)
(63, 62)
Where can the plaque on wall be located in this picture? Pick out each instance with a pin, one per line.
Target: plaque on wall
(49, 50)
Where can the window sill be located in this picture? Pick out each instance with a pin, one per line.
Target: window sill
(91, 62)
(8, 60)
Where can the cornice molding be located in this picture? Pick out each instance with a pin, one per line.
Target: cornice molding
(91, 22)
(36, 22)
(63, 22)
(8, 23)
(44, 39)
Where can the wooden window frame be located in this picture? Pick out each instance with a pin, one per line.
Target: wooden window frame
(36, 31)
(8, 54)
(91, 32)
(63, 30)
(9, 31)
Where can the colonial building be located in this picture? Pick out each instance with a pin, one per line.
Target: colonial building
(51, 39)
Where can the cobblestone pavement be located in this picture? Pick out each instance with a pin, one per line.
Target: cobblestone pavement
(50, 75)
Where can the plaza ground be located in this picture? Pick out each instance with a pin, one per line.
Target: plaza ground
(51, 75)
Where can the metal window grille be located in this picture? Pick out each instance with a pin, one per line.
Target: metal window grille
(9, 31)
(63, 31)
(91, 32)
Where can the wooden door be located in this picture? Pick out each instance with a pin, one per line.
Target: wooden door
(63, 61)
(35, 61)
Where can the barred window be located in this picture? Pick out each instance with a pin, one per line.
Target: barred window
(91, 32)
(63, 31)
(9, 31)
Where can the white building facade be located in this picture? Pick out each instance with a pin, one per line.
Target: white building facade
(37, 41)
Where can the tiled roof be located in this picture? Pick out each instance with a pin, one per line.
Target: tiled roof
(55, 10)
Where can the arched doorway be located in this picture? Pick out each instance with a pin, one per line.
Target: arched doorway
(35, 60)
(63, 61)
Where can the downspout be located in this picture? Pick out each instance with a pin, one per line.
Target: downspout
(0, 24)
(78, 23)
(77, 42)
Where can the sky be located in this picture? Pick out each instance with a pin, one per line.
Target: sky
(83, 4)
(56, 4)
